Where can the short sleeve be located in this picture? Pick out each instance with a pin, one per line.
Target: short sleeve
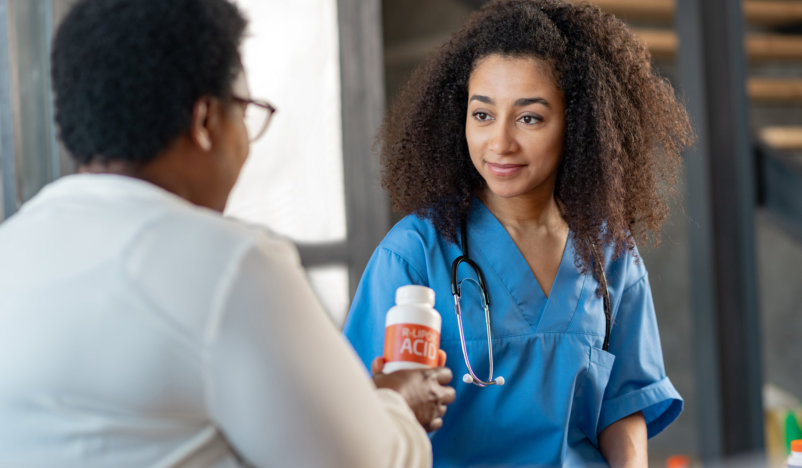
(638, 380)
(375, 295)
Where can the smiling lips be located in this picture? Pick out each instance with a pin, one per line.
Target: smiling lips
(503, 170)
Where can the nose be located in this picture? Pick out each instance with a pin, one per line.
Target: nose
(502, 141)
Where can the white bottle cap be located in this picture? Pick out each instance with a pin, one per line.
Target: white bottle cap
(414, 294)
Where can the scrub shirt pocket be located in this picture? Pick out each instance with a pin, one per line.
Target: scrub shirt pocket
(589, 395)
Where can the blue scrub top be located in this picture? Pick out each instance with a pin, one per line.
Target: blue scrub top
(561, 388)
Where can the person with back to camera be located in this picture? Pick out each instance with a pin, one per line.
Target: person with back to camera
(138, 327)
(530, 152)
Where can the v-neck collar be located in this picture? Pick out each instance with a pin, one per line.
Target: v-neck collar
(490, 244)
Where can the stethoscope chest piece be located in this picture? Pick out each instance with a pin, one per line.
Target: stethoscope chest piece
(456, 291)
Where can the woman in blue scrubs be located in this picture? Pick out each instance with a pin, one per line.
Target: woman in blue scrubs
(531, 152)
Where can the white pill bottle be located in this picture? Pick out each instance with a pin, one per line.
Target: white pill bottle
(412, 330)
(795, 458)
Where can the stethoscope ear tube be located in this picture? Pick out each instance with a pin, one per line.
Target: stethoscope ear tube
(480, 279)
(455, 285)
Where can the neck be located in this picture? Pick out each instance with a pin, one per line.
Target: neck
(146, 172)
(174, 170)
(524, 213)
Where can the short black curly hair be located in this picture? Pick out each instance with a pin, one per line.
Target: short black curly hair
(624, 128)
(127, 73)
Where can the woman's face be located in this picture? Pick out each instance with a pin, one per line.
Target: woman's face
(514, 125)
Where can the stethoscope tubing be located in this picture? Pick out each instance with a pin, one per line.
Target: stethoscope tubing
(456, 292)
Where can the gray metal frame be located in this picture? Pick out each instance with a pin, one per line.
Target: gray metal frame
(8, 166)
(721, 195)
(37, 151)
(30, 154)
(362, 82)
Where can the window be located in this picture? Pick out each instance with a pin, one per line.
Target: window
(294, 180)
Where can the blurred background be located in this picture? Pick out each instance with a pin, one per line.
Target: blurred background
(727, 277)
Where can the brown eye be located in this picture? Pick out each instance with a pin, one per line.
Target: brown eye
(530, 119)
(481, 116)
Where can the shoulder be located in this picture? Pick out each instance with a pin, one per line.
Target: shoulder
(198, 235)
(626, 270)
(186, 261)
(229, 241)
(411, 237)
(412, 247)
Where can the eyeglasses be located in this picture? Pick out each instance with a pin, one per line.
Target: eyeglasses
(257, 116)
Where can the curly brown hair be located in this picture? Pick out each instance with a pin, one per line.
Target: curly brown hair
(624, 128)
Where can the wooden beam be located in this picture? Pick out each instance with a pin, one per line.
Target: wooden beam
(650, 10)
(771, 13)
(661, 43)
(773, 47)
(775, 89)
(759, 47)
(782, 137)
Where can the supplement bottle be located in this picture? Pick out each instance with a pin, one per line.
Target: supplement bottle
(795, 459)
(412, 330)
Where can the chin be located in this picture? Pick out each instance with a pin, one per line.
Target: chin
(505, 192)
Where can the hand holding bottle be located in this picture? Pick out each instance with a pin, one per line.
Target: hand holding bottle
(425, 390)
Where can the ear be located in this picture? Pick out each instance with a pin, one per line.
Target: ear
(202, 116)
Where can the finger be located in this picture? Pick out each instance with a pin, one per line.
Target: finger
(443, 375)
(377, 365)
(447, 395)
(436, 424)
(441, 358)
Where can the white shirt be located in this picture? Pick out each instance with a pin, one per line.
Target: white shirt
(137, 329)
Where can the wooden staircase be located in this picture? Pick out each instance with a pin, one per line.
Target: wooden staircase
(774, 58)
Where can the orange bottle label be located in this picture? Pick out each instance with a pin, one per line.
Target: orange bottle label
(411, 342)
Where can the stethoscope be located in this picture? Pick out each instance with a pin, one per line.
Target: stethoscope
(456, 288)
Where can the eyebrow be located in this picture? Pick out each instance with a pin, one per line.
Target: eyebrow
(522, 102)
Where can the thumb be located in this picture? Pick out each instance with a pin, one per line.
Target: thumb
(377, 365)
(441, 358)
